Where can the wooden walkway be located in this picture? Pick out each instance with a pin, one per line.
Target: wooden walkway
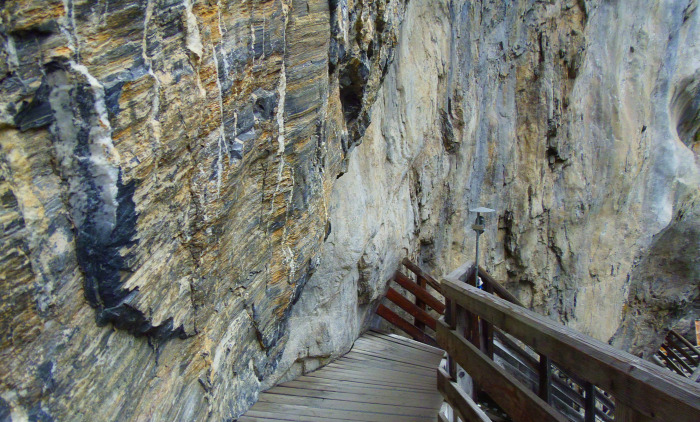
(383, 378)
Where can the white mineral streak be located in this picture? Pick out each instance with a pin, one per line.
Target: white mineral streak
(12, 59)
(221, 138)
(103, 159)
(235, 129)
(153, 121)
(282, 94)
(282, 89)
(262, 57)
(222, 32)
(252, 32)
(194, 41)
(71, 32)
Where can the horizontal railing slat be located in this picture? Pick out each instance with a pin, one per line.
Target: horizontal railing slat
(650, 390)
(669, 350)
(515, 399)
(404, 325)
(419, 292)
(497, 287)
(691, 360)
(410, 307)
(420, 273)
(686, 342)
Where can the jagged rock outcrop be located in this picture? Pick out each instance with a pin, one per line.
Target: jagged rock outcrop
(202, 198)
(665, 285)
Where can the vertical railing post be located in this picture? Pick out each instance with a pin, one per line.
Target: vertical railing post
(450, 320)
(474, 333)
(471, 331)
(589, 404)
(419, 303)
(487, 328)
(450, 310)
(545, 372)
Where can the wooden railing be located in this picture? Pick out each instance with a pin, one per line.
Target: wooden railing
(565, 391)
(640, 390)
(422, 319)
(680, 356)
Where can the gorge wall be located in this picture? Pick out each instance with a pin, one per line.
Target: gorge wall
(202, 198)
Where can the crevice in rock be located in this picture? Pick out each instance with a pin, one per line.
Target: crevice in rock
(685, 109)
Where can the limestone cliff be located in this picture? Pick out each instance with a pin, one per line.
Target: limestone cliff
(200, 198)
(568, 118)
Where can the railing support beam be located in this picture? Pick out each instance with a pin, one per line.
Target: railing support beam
(545, 382)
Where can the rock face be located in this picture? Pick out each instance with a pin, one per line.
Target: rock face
(201, 198)
(566, 117)
(664, 293)
(165, 170)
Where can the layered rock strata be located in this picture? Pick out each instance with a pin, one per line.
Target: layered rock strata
(165, 170)
(202, 198)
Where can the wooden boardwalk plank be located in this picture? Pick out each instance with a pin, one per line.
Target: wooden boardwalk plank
(302, 412)
(396, 339)
(393, 347)
(384, 361)
(380, 392)
(380, 373)
(326, 375)
(385, 355)
(361, 363)
(397, 347)
(383, 378)
(354, 397)
(322, 403)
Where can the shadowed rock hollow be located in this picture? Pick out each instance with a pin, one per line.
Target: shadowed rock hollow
(201, 198)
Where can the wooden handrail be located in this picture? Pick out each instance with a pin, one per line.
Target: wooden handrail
(420, 273)
(641, 389)
(497, 287)
(517, 400)
(420, 292)
(410, 307)
(422, 319)
(404, 325)
(686, 342)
